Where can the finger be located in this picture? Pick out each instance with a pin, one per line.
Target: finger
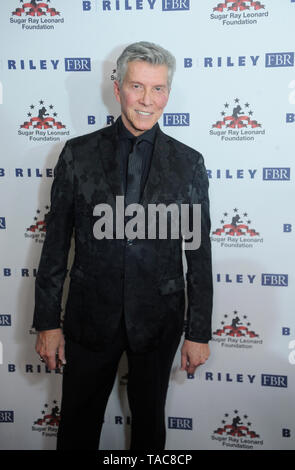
(61, 354)
(50, 361)
(191, 369)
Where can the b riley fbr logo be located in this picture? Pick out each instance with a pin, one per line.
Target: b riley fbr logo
(237, 431)
(237, 123)
(36, 14)
(240, 12)
(43, 124)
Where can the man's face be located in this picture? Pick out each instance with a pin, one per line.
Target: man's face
(143, 95)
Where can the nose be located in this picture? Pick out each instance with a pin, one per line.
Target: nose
(146, 98)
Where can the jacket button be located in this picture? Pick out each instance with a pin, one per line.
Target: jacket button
(129, 242)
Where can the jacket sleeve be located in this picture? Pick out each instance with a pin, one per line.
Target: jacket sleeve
(53, 262)
(199, 265)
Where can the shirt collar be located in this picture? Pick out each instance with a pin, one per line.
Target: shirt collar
(148, 136)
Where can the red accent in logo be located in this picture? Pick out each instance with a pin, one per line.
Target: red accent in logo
(238, 230)
(236, 122)
(39, 226)
(239, 5)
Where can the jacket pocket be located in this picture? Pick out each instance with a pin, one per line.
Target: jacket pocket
(78, 275)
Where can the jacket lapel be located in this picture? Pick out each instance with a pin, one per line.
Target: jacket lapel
(110, 160)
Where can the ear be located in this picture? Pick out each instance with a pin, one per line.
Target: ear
(117, 91)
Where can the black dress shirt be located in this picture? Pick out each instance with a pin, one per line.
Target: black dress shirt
(145, 148)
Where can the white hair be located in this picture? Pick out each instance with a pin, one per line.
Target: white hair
(146, 52)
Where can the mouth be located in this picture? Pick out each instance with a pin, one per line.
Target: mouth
(143, 113)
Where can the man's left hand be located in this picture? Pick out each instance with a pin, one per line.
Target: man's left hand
(193, 354)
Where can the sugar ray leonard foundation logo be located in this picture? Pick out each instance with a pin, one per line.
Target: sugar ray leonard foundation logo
(237, 431)
(36, 14)
(43, 124)
(239, 12)
(236, 231)
(236, 332)
(37, 230)
(48, 423)
(238, 124)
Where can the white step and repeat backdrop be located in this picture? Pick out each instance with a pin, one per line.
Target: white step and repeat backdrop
(233, 99)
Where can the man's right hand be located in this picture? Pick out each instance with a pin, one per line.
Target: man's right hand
(50, 346)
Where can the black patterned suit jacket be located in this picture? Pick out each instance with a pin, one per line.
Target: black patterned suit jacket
(143, 278)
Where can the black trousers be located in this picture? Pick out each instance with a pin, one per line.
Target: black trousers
(88, 380)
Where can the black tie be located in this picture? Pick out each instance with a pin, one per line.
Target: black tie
(133, 176)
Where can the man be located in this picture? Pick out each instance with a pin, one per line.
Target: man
(125, 294)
